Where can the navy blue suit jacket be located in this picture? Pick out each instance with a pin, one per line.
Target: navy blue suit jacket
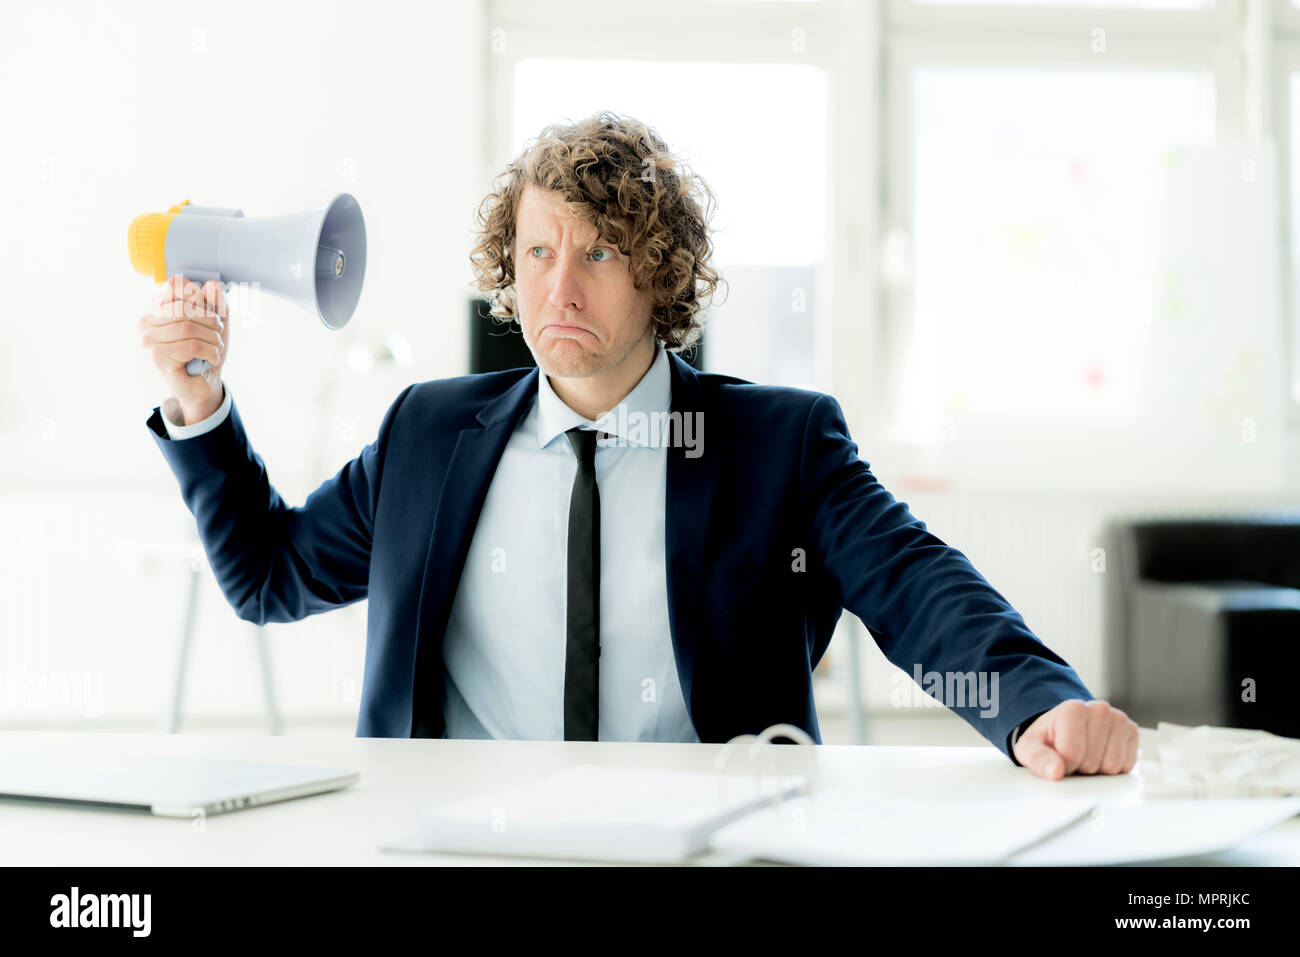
(778, 474)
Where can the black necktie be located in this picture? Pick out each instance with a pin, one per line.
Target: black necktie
(582, 665)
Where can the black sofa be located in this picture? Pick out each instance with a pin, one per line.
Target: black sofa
(1203, 614)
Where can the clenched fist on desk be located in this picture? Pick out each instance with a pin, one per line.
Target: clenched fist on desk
(1079, 737)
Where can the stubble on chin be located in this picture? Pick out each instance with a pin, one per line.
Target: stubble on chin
(564, 356)
(566, 359)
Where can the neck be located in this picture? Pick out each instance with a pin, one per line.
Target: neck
(593, 396)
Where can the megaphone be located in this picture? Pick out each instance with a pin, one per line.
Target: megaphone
(316, 259)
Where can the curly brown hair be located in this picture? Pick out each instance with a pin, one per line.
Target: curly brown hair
(618, 174)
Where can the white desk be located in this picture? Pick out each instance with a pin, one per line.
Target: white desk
(400, 776)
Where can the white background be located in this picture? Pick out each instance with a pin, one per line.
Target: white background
(109, 111)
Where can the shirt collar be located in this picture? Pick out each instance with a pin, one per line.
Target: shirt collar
(652, 395)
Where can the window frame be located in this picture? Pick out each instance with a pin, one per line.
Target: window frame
(1284, 49)
(1286, 18)
(1060, 20)
(745, 31)
(867, 50)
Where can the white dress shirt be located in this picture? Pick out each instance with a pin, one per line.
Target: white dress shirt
(505, 643)
(174, 419)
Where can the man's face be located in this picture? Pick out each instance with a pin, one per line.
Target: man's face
(579, 312)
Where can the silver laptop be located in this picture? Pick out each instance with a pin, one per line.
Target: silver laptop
(171, 787)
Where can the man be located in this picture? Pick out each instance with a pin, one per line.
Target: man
(611, 546)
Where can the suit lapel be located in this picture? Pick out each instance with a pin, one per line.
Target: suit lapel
(465, 485)
(691, 484)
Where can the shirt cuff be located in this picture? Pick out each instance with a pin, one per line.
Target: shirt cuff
(1015, 736)
(174, 419)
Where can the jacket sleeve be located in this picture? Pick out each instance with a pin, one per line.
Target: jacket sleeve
(922, 600)
(275, 563)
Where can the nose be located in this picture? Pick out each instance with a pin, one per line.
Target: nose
(565, 291)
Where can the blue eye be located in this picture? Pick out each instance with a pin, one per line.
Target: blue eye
(606, 253)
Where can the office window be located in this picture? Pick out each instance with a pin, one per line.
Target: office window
(770, 182)
(1036, 223)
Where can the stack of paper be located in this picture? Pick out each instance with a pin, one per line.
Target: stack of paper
(840, 828)
(636, 815)
(1160, 831)
(1206, 762)
(590, 812)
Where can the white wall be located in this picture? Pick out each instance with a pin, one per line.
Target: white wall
(110, 111)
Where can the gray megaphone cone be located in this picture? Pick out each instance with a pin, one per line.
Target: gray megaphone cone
(316, 259)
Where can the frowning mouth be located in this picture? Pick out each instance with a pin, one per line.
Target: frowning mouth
(561, 329)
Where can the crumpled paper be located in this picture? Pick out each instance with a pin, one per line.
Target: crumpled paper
(1181, 762)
